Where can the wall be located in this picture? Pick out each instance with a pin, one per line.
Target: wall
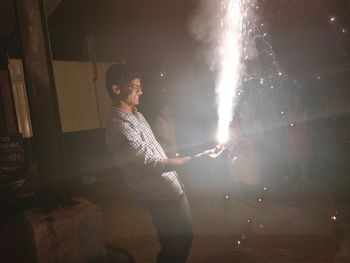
(82, 98)
(84, 107)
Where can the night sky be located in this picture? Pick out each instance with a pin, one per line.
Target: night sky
(301, 33)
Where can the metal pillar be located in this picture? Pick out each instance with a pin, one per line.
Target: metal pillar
(42, 98)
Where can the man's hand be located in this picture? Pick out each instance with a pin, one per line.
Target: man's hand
(212, 153)
(174, 163)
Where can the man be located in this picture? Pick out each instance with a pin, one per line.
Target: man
(146, 169)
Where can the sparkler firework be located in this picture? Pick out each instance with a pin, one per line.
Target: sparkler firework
(232, 46)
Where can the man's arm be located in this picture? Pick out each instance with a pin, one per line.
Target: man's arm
(135, 151)
(173, 163)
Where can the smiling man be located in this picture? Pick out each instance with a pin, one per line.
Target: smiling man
(148, 172)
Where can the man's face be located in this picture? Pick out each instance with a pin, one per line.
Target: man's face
(133, 91)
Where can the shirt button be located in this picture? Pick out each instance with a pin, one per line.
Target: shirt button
(142, 137)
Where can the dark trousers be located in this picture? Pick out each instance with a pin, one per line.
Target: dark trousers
(173, 223)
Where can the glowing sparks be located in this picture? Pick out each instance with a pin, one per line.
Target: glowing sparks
(234, 159)
(230, 63)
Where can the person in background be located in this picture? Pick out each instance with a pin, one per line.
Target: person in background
(245, 167)
(165, 130)
(148, 172)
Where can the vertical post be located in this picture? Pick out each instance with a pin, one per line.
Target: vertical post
(7, 112)
(42, 98)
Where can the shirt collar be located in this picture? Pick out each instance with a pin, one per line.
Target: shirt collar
(119, 113)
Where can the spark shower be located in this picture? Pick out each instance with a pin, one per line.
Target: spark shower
(232, 46)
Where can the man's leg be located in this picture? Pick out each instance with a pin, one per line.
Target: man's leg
(173, 223)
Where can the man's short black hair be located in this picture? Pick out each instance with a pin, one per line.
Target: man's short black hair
(119, 74)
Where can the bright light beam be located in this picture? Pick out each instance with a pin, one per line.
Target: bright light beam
(230, 51)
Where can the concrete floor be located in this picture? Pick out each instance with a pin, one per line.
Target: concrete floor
(291, 223)
(286, 226)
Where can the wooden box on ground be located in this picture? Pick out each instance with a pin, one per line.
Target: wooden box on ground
(69, 234)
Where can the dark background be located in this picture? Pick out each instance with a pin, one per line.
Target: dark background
(312, 52)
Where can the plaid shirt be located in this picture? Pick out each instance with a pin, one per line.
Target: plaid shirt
(130, 140)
